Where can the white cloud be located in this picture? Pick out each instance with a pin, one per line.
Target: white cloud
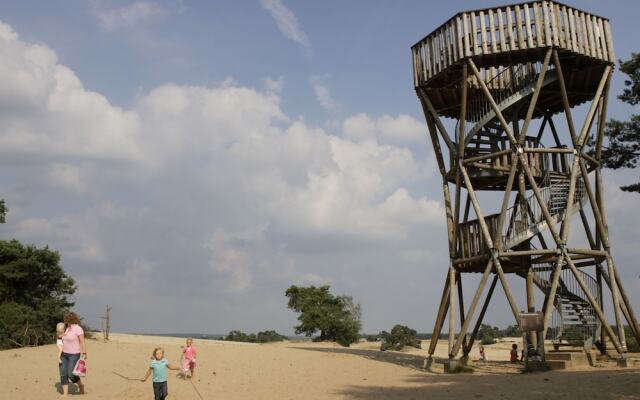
(47, 113)
(129, 15)
(286, 21)
(274, 85)
(76, 236)
(222, 166)
(67, 177)
(400, 129)
(319, 84)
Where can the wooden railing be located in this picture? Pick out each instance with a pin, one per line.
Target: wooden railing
(511, 28)
(483, 145)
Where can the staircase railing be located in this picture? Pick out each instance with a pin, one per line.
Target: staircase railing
(573, 319)
(523, 220)
(506, 82)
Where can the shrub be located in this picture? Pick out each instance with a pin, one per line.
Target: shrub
(485, 340)
(461, 369)
(632, 343)
(239, 336)
(488, 334)
(399, 337)
(269, 336)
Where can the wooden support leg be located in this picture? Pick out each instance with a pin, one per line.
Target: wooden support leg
(461, 302)
(472, 309)
(442, 312)
(476, 328)
(452, 307)
(616, 304)
(531, 302)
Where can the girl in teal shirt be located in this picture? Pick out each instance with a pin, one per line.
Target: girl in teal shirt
(158, 367)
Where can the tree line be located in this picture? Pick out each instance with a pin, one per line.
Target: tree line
(35, 292)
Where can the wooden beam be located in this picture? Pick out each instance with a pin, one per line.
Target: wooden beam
(452, 307)
(534, 97)
(443, 132)
(472, 309)
(442, 311)
(476, 328)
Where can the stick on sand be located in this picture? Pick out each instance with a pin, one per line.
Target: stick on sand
(196, 389)
(125, 377)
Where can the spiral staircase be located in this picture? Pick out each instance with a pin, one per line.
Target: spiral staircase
(574, 320)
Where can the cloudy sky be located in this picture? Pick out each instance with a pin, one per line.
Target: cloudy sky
(191, 160)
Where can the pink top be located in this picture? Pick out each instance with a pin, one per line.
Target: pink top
(189, 353)
(70, 340)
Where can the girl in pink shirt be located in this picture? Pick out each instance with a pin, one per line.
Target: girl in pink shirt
(73, 347)
(188, 359)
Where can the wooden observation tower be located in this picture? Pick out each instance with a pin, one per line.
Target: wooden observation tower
(527, 198)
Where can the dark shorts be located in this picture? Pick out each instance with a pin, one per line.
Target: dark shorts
(66, 368)
(160, 390)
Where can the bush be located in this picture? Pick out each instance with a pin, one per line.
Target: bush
(337, 318)
(270, 336)
(261, 337)
(371, 338)
(485, 340)
(239, 336)
(632, 343)
(488, 334)
(34, 294)
(461, 369)
(399, 337)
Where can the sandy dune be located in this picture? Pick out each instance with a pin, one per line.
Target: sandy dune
(302, 371)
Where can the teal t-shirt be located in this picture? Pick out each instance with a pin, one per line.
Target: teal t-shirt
(159, 369)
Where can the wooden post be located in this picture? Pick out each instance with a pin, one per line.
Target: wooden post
(442, 311)
(106, 322)
(472, 309)
(452, 308)
(476, 328)
(531, 302)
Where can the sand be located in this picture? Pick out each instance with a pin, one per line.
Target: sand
(302, 370)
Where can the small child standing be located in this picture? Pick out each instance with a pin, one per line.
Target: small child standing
(60, 328)
(159, 366)
(188, 359)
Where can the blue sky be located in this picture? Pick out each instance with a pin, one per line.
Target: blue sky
(192, 158)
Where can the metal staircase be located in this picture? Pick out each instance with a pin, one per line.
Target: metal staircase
(509, 86)
(574, 320)
(524, 219)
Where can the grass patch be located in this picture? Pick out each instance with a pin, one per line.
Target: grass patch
(461, 369)
(538, 367)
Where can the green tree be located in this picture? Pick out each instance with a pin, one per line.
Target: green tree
(34, 294)
(336, 318)
(399, 337)
(511, 331)
(3, 211)
(622, 148)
